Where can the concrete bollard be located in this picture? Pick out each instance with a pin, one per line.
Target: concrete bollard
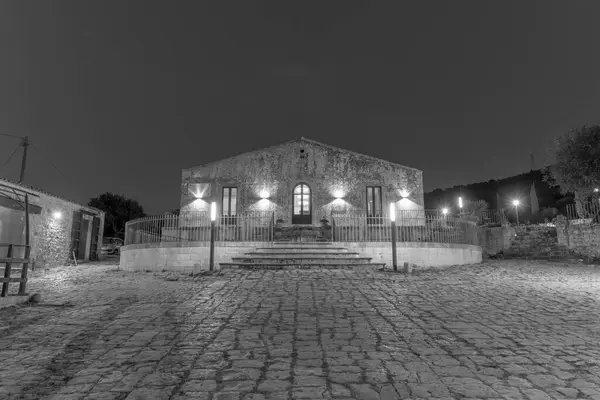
(407, 268)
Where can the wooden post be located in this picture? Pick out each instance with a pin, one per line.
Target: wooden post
(7, 270)
(25, 265)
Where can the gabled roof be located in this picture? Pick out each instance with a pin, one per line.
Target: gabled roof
(303, 139)
(31, 190)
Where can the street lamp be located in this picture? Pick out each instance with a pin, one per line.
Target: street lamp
(393, 221)
(213, 217)
(460, 204)
(516, 204)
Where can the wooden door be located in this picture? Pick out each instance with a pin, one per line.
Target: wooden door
(301, 205)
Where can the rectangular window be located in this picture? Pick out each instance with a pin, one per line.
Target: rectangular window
(229, 206)
(374, 205)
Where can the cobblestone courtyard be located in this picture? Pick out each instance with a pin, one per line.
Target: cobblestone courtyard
(502, 330)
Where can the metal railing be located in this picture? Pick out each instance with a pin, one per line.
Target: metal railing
(352, 226)
(588, 212)
(196, 227)
(411, 226)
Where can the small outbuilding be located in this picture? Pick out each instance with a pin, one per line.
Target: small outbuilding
(59, 230)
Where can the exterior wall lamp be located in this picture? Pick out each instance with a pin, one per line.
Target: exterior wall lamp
(213, 217)
(393, 223)
(338, 194)
(264, 194)
(57, 215)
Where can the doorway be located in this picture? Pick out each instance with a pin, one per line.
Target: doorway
(301, 205)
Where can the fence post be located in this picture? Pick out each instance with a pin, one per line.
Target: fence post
(24, 267)
(273, 227)
(7, 270)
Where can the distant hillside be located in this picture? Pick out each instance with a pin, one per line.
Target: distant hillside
(508, 189)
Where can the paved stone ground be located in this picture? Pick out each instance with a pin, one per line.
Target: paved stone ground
(502, 330)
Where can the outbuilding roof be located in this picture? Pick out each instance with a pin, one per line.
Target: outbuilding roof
(32, 190)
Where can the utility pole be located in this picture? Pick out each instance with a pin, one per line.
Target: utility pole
(25, 144)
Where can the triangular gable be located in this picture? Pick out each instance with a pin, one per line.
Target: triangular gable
(310, 141)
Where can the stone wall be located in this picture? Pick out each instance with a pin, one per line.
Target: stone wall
(330, 173)
(194, 257)
(581, 238)
(189, 257)
(50, 237)
(422, 254)
(520, 241)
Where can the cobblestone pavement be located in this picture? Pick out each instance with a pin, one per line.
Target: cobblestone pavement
(502, 330)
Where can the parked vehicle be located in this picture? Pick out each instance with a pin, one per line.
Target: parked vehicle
(112, 245)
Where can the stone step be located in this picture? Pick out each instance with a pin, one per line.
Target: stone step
(276, 266)
(301, 255)
(307, 243)
(296, 260)
(297, 247)
(301, 251)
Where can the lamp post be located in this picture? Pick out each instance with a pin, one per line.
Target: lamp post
(213, 217)
(516, 204)
(393, 220)
(460, 204)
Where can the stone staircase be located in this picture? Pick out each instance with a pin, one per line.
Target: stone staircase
(301, 255)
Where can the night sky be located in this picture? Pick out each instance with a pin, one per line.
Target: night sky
(121, 95)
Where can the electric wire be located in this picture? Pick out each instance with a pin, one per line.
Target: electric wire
(51, 163)
(11, 156)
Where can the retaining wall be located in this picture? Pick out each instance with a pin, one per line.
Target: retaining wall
(193, 257)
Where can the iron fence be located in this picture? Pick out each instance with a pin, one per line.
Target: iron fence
(353, 226)
(411, 226)
(196, 227)
(582, 213)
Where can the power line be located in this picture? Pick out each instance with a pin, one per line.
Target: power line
(55, 167)
(9, 135)
(11, 156)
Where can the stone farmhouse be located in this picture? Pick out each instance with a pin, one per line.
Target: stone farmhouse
(301, 182)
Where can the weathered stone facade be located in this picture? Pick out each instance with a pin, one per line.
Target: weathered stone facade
(265, 180)
(582, 238)
(51, 226)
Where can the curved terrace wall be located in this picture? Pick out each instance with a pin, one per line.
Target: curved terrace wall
(193, 257)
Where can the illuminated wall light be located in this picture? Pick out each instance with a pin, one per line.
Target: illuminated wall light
(460, 202)
(57, 215)
(338, 194)
(264, 194)
(213, 211)
(404, 193)
(515, 203)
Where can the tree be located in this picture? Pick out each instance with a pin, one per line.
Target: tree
(119, 209)
(577, 166)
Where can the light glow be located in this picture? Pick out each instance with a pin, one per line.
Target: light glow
(57, 215)
(264, 194)
(596, 190)
(404, 193)
(516, 203)
(338, 194)
(213, 211)
(444, 211)
(460, 203)
(392, 212)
